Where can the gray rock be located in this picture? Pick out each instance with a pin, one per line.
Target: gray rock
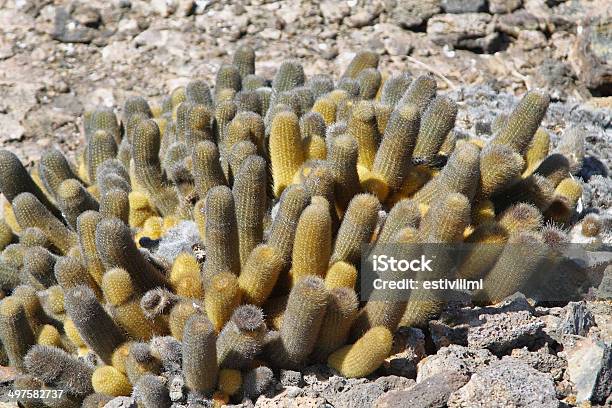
(463, 6)
(472, 31)
(121, 402)
(577, 319)
(333, 11)
(604, 290)
(504, 6)
(408, 350)
(589, 365)
(542, 361)
(431, 393)
(504, 332)
(68, 30)
(531, 39)
(411, 14)
(454, 358)
(514, 23)
(176, 387)
(507, 383)
(290, 378)
(452, 326)
(343, 392)
(591, 55)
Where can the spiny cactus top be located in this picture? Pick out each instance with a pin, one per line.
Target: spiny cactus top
(233, 217)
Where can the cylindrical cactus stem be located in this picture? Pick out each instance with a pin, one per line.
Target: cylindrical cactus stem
(109, 380)
(343, 156)
(125, 308)
(244, 60)
(537, 151)
(228, 77)
(320, 182)
(446, 220)
(564, 202)
(54, 366)
(14, 180)
(116, 204)
(356, 228)
(207, 172)
(73, 199)
(369, 82)
(38, 262)
(341, 311)
(198, 92)
(282, 234)
(179, 314)
(250, 197)
(260, 273)
(7, 236)
(460, 175)
(362, 127)
(239, 153)
(100, 147)
(444, 223)
(341, 275)
(404, 213)
(145, 151)
(365, 356)
(290, 75)
(230, 381)
(438, 121)
(320, 84)
(15, 331)
(521, 217)
(158, 302)
(94, 325)
(485, 245)
(53, 169)
(535, 189)
(362, 60)
(200, 366)
(185, 276)
(500, 167)
(221, 238)
(136, 104)
(301, 322)
(397, 145)
(224, 113)
(394, 88)
(103, 118)
(152, 391)
(222, 297)
(241, 339)
(522, 255)
(555, 168)
(138, 362)
(30, 212)
(286, 151)
(313, 242)
(116, 248)
(96, 400)
(524, 121)
(86, 230)
(572, 146)
(326, 108)
(28, 298)
(33, 237)
(420, 92)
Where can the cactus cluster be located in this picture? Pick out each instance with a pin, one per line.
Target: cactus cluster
(285, 180)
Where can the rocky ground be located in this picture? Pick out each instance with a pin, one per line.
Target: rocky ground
(58, 58)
